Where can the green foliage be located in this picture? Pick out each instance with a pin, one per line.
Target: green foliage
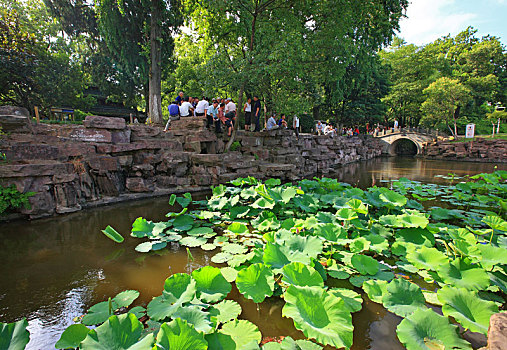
(14, 336)
(11, 199)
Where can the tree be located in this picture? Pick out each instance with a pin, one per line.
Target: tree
(444, 98)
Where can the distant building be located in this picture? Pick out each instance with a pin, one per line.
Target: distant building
(112, 109)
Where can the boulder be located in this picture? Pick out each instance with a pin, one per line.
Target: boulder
(138, 184)
(497, 333)
(15, 119)
(98, 122)
(91, 135)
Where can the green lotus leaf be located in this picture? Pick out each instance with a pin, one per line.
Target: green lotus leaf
(467, 308)
(229, 273)
(211, 285)
(491, 256)
(417, 236)
(226, 311)
(71, 337)
(179, 335)
(439, 214)
(392, 198)
(290, 344)
(113, 234)
(353, 300)
(358, 206)
(159, 308)
(14, 336)
(375, 289)
(431, 298)
(263, 203)
(139, 311)
(221, 258)
(99, 313)
(220, 341)
(142, 228)
(338, 272)
(125, 298)
(459, 274)
(179, 288)
(288, 194)
(194, 316)
(242, 332)
(275, 256)
(238, 228)
(208, 246)
(403, 297)
(302, 249)
(118, 332)
(192, 241)
(346, 214)
(418, 220)
(299, 274)
(499, 280)
(256, 282)
(185, 200)
(200, 231)
(218, 203)
(331, 232)
(234, 248)
(359, 244)
(321, 316)
(423, 328)
(183, 223)
(495, 222)
(366, 265)
(144, 247)
(427, 258)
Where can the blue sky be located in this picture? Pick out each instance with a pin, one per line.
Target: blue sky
(430, 19)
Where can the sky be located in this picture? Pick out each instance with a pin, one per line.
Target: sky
(429, 20)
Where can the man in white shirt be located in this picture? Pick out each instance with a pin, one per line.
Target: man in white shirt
(186, 108)
(271, 124)
(230, 106)
(295, 125)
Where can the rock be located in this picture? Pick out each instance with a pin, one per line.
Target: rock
(142, 131)
(103, 163)
(98, 122)
(120, 136)
(497, 333)
(15, 119)
(91, 135)
(138, 184)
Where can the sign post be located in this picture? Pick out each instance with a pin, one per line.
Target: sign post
(470, 131)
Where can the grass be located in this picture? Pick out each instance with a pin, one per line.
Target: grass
(496, 137)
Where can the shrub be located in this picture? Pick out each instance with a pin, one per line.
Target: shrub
(235, 146)
(11, 198)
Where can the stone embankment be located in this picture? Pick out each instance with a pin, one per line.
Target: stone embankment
(479, 150)
(71, 167)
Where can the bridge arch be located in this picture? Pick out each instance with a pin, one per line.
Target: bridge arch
(404, 146)
(394, 141)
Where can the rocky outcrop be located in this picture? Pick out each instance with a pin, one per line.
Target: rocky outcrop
(15, 119)
(479, 150)
(71, 167)
(497, 333)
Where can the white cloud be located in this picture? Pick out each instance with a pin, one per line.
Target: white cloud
(429, 20)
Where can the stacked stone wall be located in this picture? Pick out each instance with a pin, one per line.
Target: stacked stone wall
(71, 167)
(479, 150)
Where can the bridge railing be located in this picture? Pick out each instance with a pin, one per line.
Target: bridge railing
(418, 130)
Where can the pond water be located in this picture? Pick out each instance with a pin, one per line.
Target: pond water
(54, 269)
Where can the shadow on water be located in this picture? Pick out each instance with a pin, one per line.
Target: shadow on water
(54, 269)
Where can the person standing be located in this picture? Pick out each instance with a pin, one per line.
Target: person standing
(179, 98)
(295, 125)
(395, 124)
(256, 114)
(247, 108)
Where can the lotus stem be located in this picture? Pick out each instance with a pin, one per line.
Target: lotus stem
(491, 238)
(110, 303)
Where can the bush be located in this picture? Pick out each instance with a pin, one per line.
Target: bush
(307, 123)
(11, 198)
(235, 146)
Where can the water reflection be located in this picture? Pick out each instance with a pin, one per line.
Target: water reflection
(54, 269)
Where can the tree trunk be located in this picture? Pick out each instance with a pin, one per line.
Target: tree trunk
(155, 107)
(456, 116)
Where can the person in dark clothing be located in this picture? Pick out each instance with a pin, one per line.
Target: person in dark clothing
(256, 113)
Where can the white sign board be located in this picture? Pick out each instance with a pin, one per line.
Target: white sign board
(470, 133)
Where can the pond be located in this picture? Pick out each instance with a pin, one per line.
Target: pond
(54, 269)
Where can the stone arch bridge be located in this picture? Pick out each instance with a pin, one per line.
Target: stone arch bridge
(393, 138)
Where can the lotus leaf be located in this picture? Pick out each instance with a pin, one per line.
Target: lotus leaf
(403, 297)
(144, 247)
(139, 311)
(299, 274)
(71, 337)
(491, 256)
(331, 232)
(14, 336)
(275, 256)
(192, 241)
(346, 214)
(263, 203)
(321, 316)
(467, 308)
(353, 300)
(290, 344)
(200, 231)
(183, 223)
(142, 228)
(239, 259)
(185, 200)
(338, 272)
(256, 282)
(495, 222)
(120, 333)
(359, 244)
(375, 289)
(211, 285)
(194, 316)
(242, 332)
(229, 273)
(221, 258)
(220, 341)
(234, 248)
(288, 194)
(99, 313)
(226, 311)
(179, 288)
(172, 199)
(208, 246)
(179, 335)
(358, 206)
(499, 280)
(159, 308)
(427, 258)
(113, 234)
(460, 274)
(425, 327)
(125, 298)
(303, 248)
(393, 199)
(416, 236)
(237, 228)
(366, 265)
